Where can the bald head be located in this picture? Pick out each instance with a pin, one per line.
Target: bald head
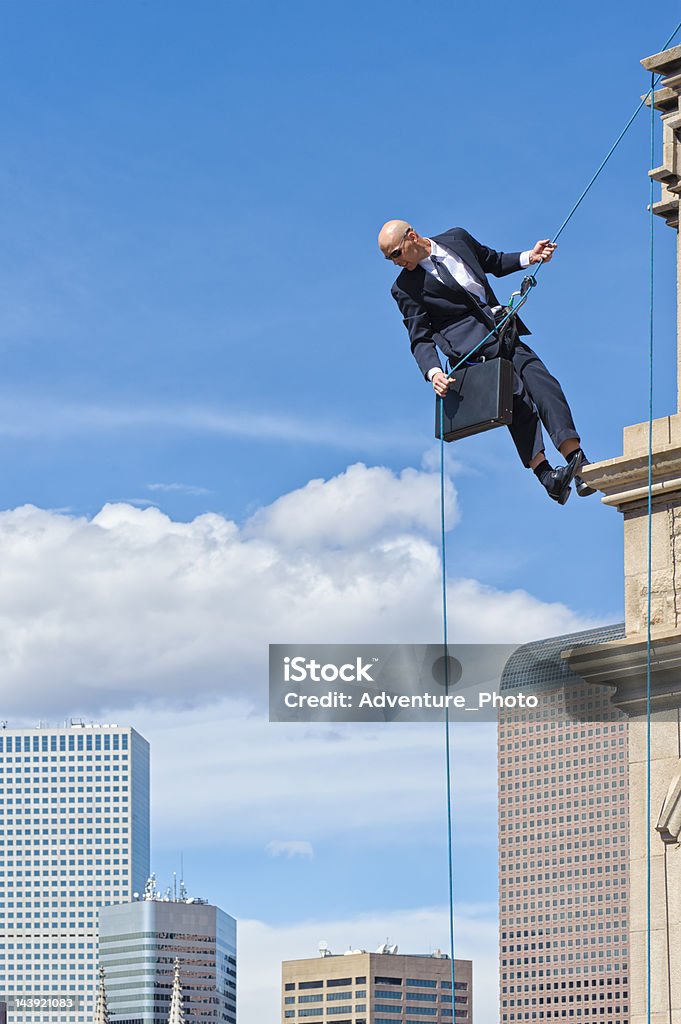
(399, 242)
(391, 234)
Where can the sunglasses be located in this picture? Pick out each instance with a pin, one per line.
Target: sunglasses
(396, 253)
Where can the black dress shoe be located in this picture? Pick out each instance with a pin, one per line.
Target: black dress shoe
(557, 482)
(581, 486)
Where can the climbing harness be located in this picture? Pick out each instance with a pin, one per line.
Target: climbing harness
(480, 397)
(507, 330)
(508, 318)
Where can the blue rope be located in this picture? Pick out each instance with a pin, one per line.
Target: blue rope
(651, 229)
(512, 311)
(654, 80)
(448, 758)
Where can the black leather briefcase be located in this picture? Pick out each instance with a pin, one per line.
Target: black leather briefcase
(480, 398)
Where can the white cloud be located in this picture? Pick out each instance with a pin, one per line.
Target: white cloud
(355, 507)
(263, 946)
(132, 606)
(291, 848)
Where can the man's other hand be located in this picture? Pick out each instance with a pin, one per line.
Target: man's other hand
(543, 250)
(441, 383)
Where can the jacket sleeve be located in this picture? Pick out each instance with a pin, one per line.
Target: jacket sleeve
(417, 321)
(497, 263)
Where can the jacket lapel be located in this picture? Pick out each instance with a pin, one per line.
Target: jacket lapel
(464, 254)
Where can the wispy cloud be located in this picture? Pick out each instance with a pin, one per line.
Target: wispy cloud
(290, 848)
(34, 418)
(136, 502)
(177, 488)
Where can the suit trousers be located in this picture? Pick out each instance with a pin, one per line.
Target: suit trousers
(537, 398)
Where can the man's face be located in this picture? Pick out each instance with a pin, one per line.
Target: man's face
(407, 253)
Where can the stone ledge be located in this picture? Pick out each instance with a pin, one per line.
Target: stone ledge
(666, 62)
(665, 100)
(624, 480)
(622, 664)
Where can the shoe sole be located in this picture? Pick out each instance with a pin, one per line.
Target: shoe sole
(583, 489)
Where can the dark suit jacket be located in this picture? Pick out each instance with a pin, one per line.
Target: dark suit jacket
(453, 320)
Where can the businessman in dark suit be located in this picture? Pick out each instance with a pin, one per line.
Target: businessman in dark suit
(447, 303)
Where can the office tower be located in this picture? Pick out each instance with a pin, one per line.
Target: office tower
(139, 943)
(74, 836)
(376, 988)
(563, 842)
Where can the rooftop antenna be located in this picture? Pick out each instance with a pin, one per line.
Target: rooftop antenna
(184, 895)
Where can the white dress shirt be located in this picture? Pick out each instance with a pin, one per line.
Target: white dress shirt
(461, 274)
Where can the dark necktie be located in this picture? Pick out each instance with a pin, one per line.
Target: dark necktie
(443, 274)
(446, 278)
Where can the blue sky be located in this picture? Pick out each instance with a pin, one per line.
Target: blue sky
(195, 315)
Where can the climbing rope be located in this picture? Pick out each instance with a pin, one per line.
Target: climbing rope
(651, 338)
(512, 311)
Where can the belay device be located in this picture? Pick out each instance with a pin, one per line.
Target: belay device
(481, 395)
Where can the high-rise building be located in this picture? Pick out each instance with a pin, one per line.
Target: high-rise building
(139, 944)
(74, 836)
(563, 843)
(376, 988)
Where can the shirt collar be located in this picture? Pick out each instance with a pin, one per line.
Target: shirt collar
(435, 250)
